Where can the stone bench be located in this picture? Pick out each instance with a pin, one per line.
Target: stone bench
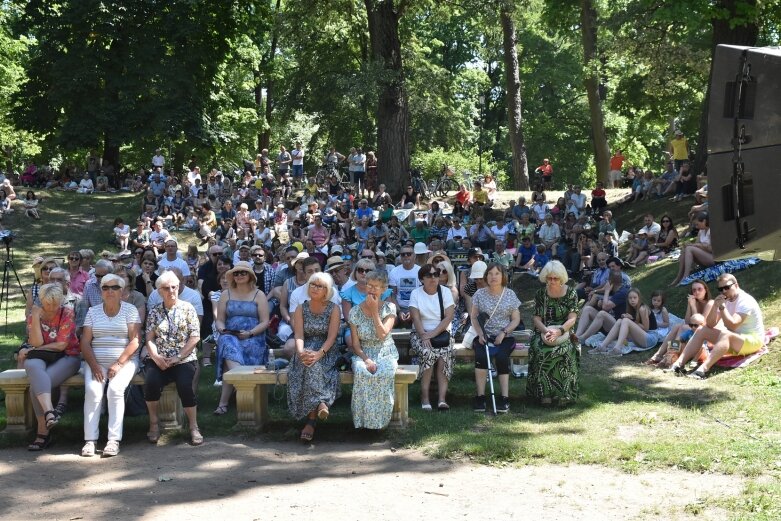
(252, 386)
(19, 409)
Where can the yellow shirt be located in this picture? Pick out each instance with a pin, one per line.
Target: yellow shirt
(680, 148)
(480, 196)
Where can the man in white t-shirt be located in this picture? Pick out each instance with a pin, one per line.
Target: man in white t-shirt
(194, 174)
(744, 333)
(158, 159)
(403, 280)
(171, 259)
(650, 228)
(298, 163)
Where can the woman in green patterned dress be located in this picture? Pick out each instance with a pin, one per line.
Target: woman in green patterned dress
(554, 361)
(375, 358)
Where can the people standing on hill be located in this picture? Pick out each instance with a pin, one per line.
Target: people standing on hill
(616, 167)
(679, 149)
(546, 171)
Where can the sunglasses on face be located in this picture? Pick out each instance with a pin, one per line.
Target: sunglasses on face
(406, 254)
(47, 268)
(111, 288)
(725, 288)
(74, 258)
(433, 274)
(694, 326)
(362, 270)
(241, 274)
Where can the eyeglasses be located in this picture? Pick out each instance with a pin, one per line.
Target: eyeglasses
(47, 268)
(694, 326)
(111, 288)
(362, 270)
(74, 258)
(215, 253)
(315, 285)
(725, 288)
(368, 257)
(433, 274)
(56, 280)
(406, 254)
(241, 274)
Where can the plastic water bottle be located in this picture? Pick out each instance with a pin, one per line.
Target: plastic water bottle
(270, 363)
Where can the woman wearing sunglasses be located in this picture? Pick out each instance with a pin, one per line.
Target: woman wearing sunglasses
(432, 309)
(109, 342)
(41, 268)
(78, 276)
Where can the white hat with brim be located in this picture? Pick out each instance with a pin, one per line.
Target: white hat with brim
(478, 270)
(421, 249)
(241, 266)
(301, 256)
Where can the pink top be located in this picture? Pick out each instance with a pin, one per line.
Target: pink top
(78, 281)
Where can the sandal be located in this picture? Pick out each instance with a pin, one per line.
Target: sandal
(111, 449)
(51, 418)
(196, 438)
(322, 412)
(443, 407)
(306, 436)
(60, 409)
(653, 360)
(41, 442)
(426, 407)
(88, 450)
(153, 436)
(220, 410)
(698, 375)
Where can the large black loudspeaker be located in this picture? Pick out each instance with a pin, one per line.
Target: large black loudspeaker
(744, 143)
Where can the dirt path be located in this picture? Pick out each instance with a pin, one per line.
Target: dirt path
(228, 479)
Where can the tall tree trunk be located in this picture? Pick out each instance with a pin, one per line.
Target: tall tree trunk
(588, 31)
(392, 110)
(723, 32)
(266, 68)
(110, 153)
(258, 103)
(513, 87)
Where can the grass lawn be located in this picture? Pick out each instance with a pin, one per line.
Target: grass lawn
(628, 416)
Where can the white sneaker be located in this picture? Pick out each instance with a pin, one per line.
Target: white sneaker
(88, 450)
(111, 448)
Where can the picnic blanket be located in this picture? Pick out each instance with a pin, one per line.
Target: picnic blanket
(732, 362)
(712, 273)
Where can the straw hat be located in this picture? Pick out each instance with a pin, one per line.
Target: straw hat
(240, 266)
(333, 263)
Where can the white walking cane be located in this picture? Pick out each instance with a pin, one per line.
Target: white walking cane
(490, 375)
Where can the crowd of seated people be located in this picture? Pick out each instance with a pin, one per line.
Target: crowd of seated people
(318, 278)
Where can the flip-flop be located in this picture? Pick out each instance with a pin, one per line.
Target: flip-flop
(426, 407)
(698, 375)
(443, 406)
(220, 410)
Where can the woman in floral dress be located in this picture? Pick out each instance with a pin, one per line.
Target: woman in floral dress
(313, 379)
(376, 358)
(554, 363)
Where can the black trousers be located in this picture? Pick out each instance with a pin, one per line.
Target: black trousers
(502, 357)
(183, 374)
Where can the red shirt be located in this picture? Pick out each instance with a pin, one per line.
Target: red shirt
(617, 162)
(597, 192)
(463, 197)
(547, 170)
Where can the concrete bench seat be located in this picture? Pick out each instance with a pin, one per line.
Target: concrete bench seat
(252, 385)
(19, 410)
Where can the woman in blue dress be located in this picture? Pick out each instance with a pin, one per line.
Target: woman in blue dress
(376, 358)
(313, 379)
(356, 291)
(242, 319)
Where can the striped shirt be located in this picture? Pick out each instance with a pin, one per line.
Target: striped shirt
(110, 334)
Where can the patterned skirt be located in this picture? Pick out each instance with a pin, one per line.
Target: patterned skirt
(428, 356)
(553, 371)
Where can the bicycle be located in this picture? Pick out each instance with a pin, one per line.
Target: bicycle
(445, 183)
(324, 173)
(418, 183)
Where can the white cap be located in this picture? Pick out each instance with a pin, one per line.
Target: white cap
(421, 248)
(478, 270)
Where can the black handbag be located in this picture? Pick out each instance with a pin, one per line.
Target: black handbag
(44, 354)
(442, 339)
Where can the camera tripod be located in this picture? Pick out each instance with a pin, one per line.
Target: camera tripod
(5, 289)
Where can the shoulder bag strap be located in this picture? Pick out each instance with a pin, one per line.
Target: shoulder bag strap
(441, 303)
(496, 306)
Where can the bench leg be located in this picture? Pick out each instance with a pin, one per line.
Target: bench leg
(251, 404)
(170, 411)
(18, 409)
(400, 415)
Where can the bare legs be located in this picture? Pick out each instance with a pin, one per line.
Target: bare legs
(602, 321)
(691, 254)
(227, 389)
(425, 382)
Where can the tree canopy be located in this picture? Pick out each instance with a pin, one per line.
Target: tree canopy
(413, 79)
